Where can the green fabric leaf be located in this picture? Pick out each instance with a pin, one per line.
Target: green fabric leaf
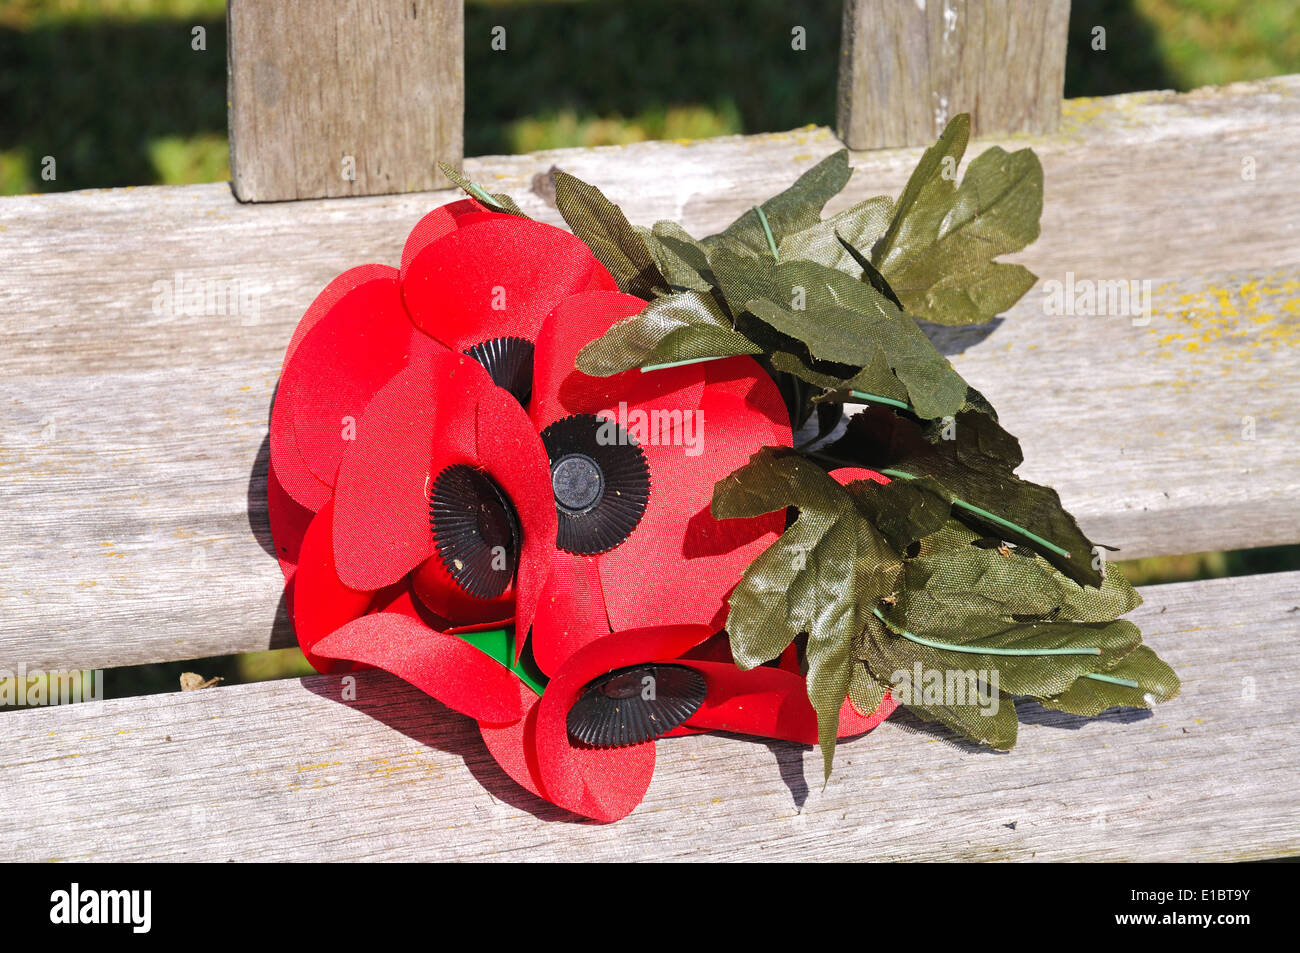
(903, 510)
(865, 690)
(869, 273)
(876, 378)
(842, 320)
(960, 595)
(797, 208)
(1089, 697)
(681, 259)
(938, 251)
(996, 729)
(820, 578)
(961, 589)
(606, 231)
(976, 466)
(679, 327)
(862, 225)
(1115, 598)
(802, 367)
(831, 336)
(502, 202)
(1039, 676)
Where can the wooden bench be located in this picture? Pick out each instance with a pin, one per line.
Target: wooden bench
(133, 457)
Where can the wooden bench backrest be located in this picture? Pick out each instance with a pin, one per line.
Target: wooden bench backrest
(366, 97)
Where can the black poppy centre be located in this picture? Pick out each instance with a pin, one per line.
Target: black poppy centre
(509, 361)
(635, 704)
(600, 480)
(475, 531)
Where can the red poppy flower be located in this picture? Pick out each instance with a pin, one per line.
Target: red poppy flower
(361, 335)
(470, 281)
(650, 554)
(606, 783)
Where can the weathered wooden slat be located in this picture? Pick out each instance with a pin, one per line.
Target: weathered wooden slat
(907, 68)
(132, 432)
(344, 97)
(286, 771)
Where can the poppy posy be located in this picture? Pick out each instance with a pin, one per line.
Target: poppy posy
(454, 502)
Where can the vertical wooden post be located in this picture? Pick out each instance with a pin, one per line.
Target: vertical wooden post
(344, 97)
(908, 66)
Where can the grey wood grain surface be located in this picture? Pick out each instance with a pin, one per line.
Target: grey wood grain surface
(132, 430)
(906, 68)
(287, 771)
(344, 97)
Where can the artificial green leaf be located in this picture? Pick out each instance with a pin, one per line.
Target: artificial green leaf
(862, 225)
(1115, 598)
(938, 251)
(797, 208)
(842, 320)
(606, 231)
(995, 727)
(820, 578)
(866, 692)
(1089, 697)
(966, 591)
(929, 193)
(1037, 668)
(802, 367)
(976, 467)
(876, 379)
(830, 335)
(680, 258)
(679, 327)
(501, 202)
(869, 273)
(903, 510)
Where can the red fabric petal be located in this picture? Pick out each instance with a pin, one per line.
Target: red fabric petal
(765, 411)
(769, 702)
(845, 475)
(381, 523)
(513, 745)
(680, 564)
(571, 613)
(481, 425)
(438, 592)
(494, 278)
(512, 454)
(295, 477)
(441, 665)
(331, 295)
(559, 389)
(441, 221)
(601, 783)
(288, 520)
(354, 350)
(321, 602)
(601, 280)
(458, 385)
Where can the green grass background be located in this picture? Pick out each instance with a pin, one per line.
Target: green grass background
(113, 90)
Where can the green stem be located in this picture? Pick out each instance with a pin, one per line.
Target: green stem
(877, 399)
(767, 230)
(1126, 682)
(695, 360)
(977, 650)
(482, 195)
(992, 517)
